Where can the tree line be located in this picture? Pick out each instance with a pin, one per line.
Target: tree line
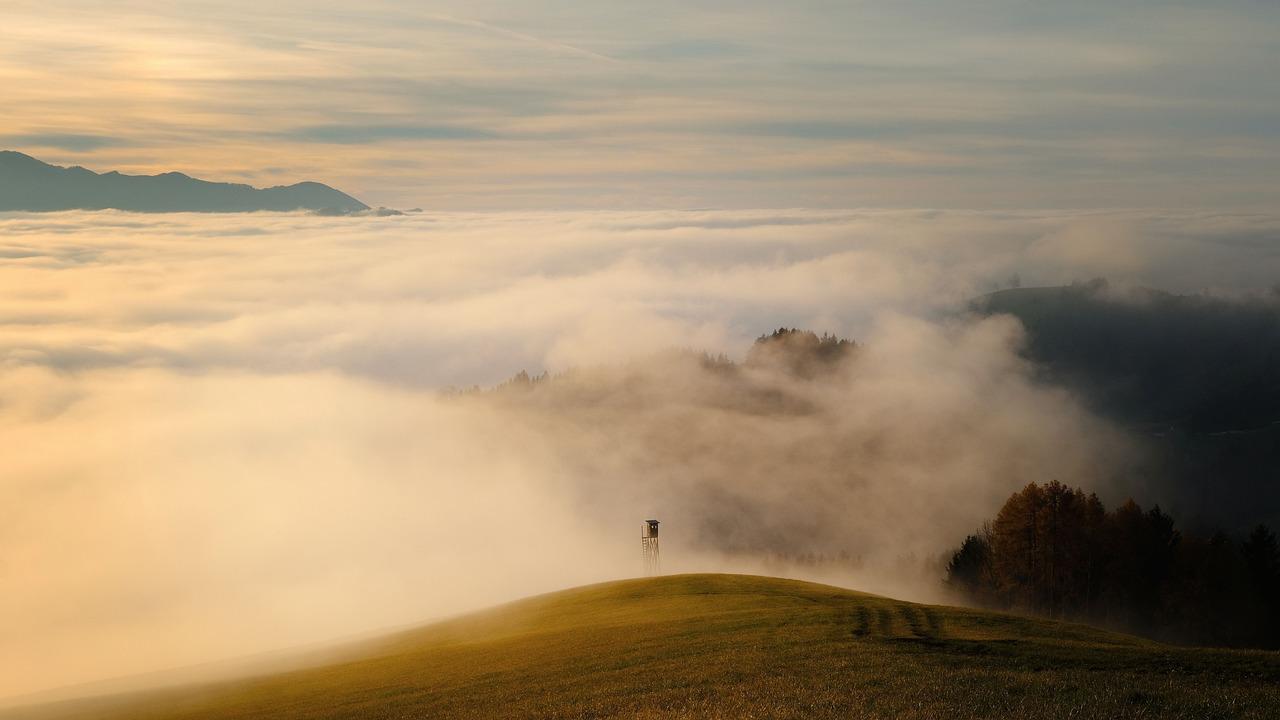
(1055, 551)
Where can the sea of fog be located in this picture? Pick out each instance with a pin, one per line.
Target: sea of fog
(225, 434)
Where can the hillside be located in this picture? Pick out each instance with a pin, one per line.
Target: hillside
(1196, 378)
(734, 647)
(1202, 363)
(29, 184)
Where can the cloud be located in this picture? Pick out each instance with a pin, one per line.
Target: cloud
(1096, 247)
(348, 134)
(558, 47)
(225, 435)
(61, 141)
(438, 299)
(1009, 105)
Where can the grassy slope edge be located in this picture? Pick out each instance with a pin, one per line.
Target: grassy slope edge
(734, 646)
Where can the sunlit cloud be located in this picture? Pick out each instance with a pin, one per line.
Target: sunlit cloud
(209, 419)
(665, 106)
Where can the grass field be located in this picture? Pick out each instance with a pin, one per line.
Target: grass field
(732, 646)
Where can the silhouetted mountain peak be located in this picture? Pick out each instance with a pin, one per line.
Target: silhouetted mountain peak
(29, 184)
(12, 158)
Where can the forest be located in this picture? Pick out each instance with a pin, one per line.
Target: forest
(1054, 551)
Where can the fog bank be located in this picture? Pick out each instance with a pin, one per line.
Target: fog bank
(225, 434)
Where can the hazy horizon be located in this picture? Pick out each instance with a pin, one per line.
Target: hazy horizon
(513, 105)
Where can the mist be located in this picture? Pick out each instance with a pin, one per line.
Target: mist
(230, 434)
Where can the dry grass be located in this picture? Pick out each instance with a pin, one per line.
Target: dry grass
(729, 646)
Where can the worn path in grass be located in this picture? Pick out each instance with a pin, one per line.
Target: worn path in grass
(733, 646)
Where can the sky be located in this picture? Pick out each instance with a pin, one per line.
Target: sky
(502, 105)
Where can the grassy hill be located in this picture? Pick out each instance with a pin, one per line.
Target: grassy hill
(731, 646)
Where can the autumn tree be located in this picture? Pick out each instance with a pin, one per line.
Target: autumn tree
(1056, 551)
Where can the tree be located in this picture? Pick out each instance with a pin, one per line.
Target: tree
(1262, 562)
(1053, 550)
(1015, 549)
(969, 570)
(802, 353)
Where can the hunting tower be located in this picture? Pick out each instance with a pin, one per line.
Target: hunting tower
(649, 546)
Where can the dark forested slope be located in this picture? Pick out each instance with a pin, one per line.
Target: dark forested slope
(1197, 378)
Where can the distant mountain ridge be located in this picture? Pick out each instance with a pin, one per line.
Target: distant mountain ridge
(31, 185)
